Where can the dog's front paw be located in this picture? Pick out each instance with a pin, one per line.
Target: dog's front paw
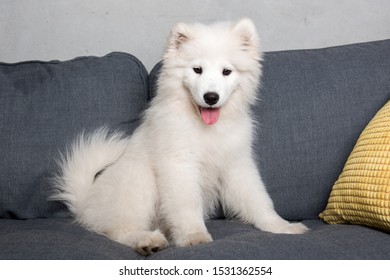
(194, 239)
(287, 228)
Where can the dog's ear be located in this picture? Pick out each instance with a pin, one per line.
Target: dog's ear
(246, 30)
(179, 35)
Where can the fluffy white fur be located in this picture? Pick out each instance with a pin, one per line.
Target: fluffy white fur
(167, 178)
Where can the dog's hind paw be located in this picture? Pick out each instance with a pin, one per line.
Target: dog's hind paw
(296, 228)
(151, 243)
(287, 228)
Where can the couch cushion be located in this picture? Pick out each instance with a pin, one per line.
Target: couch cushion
(313, 106)
(234, 240)
(44, 105)
(361, 195)
(59, 239)
(63, 239)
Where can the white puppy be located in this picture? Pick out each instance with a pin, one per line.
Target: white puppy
(192, 150)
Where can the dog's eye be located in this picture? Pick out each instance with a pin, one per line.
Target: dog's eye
(226, 72)
(197, 70)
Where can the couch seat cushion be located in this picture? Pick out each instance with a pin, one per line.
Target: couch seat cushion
(62, 239)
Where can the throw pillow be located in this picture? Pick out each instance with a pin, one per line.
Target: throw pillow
(361, 195)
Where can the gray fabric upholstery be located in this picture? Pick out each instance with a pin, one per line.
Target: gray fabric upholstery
(62, 239)
(233, 240)
(44, 105)
(56, 239)
(313, 106)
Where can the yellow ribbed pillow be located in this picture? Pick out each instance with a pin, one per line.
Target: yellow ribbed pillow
(361, 195)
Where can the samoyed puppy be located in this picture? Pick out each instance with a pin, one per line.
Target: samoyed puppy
(191, 153)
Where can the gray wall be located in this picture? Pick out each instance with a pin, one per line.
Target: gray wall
(63, 29)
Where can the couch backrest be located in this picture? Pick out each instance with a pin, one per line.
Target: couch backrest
(44, 105)
(313, 106)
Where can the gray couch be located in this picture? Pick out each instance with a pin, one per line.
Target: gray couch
(313, 106)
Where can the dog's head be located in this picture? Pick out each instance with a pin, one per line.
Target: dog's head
(214, 63)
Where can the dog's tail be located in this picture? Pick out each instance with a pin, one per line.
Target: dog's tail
(89, 155)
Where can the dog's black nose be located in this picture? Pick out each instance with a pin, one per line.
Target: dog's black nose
(211, 98)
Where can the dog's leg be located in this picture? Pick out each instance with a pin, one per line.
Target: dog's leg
(181, 204)
(123, 203)
(132, 221)
(244, 195)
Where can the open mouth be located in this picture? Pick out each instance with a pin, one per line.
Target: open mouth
(209, 115)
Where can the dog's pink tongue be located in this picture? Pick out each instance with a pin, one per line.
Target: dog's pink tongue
(209, 115)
